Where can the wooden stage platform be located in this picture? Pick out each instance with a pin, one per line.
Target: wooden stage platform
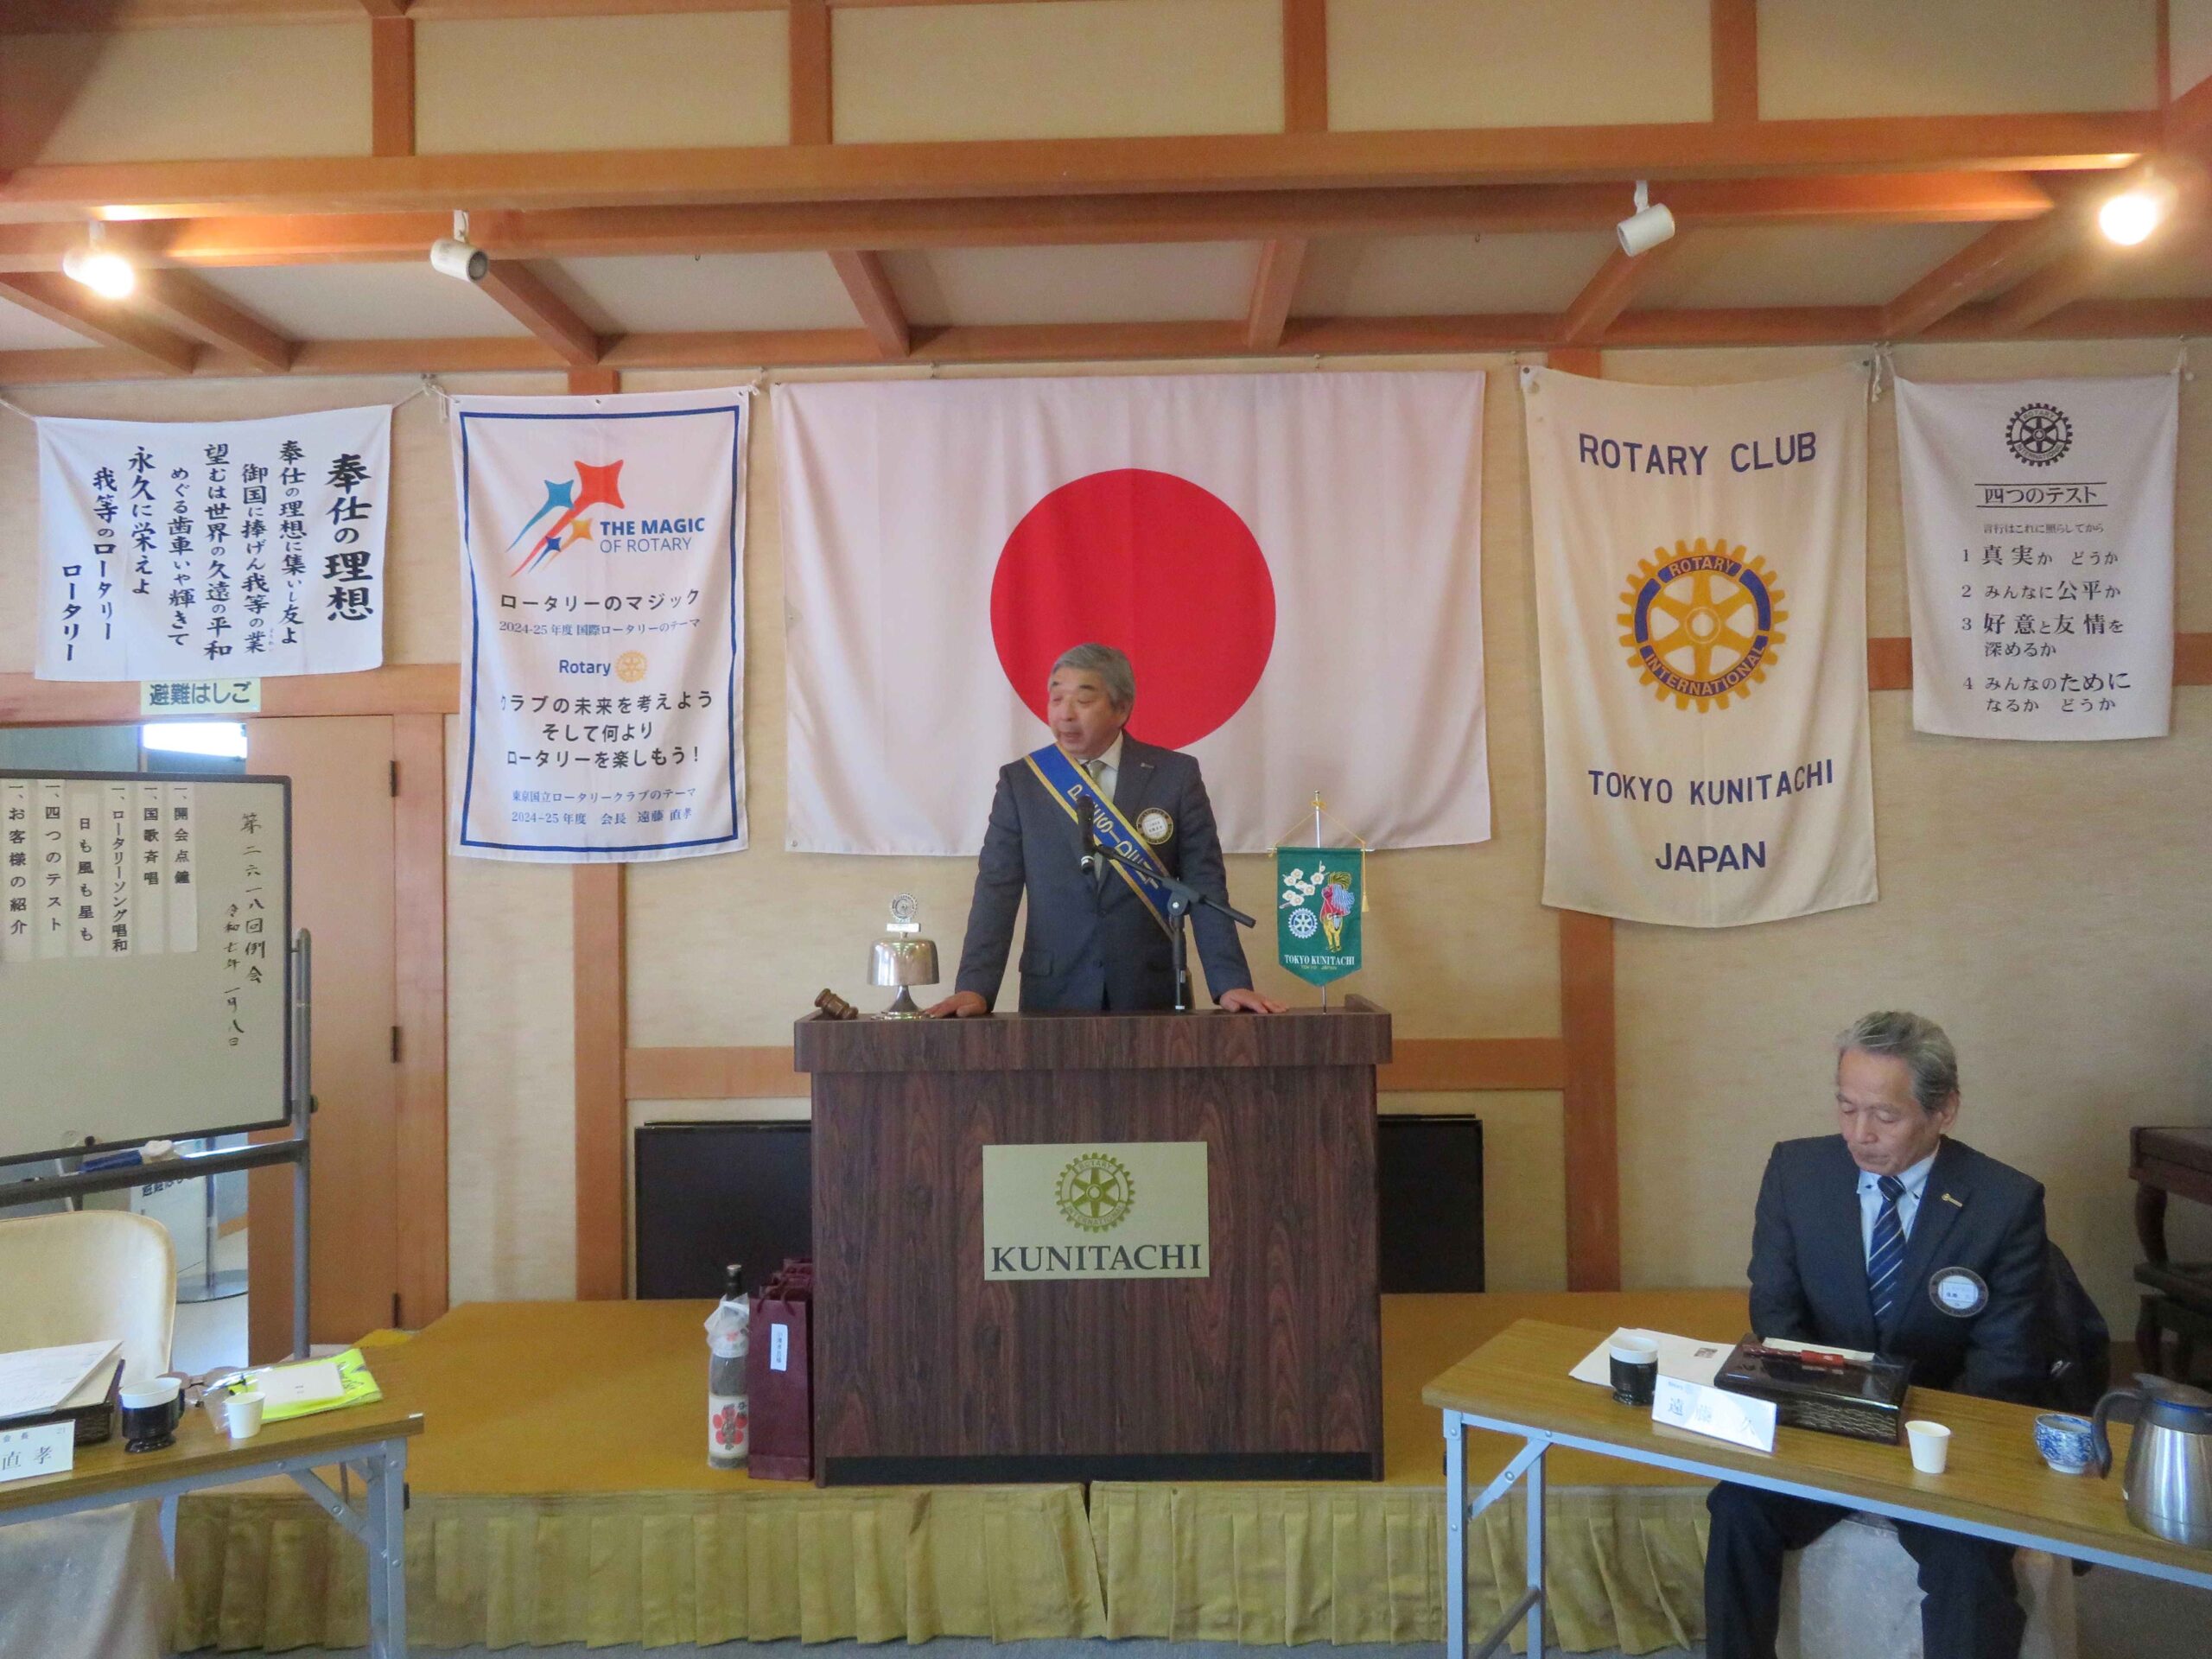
(560, 1493)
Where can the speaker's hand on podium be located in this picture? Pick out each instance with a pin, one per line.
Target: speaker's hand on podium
(963, 1005)
(1244, 1000)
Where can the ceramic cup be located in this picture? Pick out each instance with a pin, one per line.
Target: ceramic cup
(1931, 1446)
(1634, 1364)
(2065, 1442)
(242, 1414)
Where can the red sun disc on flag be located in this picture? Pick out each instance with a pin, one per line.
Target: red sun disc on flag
(1154, 564)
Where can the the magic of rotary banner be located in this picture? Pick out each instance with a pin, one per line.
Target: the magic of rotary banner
(601, 540)
(1700, 601)
(212, 550)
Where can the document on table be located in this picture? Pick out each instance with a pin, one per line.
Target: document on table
(310, 1383)
(1681, 1357)
(33, 1380)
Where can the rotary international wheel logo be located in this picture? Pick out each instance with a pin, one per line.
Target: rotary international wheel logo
(1095, 1191)
(2038, 434)
(1702, 626)
(630, 667)
(1303, 924)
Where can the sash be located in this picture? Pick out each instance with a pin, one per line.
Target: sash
(1116, 833)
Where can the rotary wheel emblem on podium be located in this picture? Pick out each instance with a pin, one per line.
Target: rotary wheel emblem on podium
(1096, 1192)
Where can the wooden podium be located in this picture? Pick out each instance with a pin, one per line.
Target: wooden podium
(1269, 1368)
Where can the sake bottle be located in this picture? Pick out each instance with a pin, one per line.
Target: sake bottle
(727, 1328)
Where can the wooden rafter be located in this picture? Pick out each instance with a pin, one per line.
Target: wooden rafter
(1083, 342)
(1611, 292)
(812, 109)
(869, 285)
(1990, 261)
(1305, 66)
(1057, 166)
(523, 294)
(1273, 289)
(391, 80)
(67, 17)
(107, 322)
(1735, 32)
(186, 304)
(1251, 215)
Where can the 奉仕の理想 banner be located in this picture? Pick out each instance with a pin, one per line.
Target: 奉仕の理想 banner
(1701, 598)
(602, 543)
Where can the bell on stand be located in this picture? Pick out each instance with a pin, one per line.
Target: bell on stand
(903, 960)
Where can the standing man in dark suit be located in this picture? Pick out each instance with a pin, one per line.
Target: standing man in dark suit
(1096, 938)
(1893, 1238)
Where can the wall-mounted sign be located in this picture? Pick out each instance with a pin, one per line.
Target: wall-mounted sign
(1118, 1210)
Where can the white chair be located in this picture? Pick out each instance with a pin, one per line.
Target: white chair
(1855, 1594)
(97, 1583)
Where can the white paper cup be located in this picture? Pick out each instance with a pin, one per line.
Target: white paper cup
(1931, 1446)
(242, 1414)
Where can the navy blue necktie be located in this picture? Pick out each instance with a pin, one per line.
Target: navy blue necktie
(1886, 1255)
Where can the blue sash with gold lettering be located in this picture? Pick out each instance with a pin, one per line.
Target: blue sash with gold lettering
(1136, 863)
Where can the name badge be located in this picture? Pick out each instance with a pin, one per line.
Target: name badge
(1958, 1292)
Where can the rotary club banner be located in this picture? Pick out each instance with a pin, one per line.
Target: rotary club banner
(212, 550)
(1700, 604)
(600, 542)
(2039, 541)
(1320, 891)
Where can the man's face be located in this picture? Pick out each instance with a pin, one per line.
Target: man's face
(1084, 718)
(1882, 1122)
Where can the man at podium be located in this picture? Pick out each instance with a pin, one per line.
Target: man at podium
(1097, 937)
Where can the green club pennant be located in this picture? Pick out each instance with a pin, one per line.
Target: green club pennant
(1319, 893)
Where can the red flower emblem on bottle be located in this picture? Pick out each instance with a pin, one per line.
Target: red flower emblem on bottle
(729, 1428)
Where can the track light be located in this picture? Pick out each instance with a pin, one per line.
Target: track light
(1648, 226)
(100, 267)
(456, 257)
(2131, 216)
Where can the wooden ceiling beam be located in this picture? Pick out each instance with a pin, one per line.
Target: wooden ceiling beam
(523, 294)
(391, 80)
(1608, 293)
(1305, 66)
(813, 106)
(1734, 30)
(106, 322)
(1054, 167)
(1993, 259)
(184, 302)
(1252, 215)
(869, 285)
(1273, 289)
(1338, 337)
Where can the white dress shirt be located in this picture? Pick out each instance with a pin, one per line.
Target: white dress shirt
(1106, 770)
(1869, 1200)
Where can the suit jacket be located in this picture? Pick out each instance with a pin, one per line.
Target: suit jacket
(1092, 944)
(1808, 1267)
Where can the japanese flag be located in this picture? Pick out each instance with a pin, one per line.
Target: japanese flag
(1292, 562)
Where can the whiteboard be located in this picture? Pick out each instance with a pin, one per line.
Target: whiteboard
(145, 967)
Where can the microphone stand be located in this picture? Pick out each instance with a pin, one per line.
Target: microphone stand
(1182, 898)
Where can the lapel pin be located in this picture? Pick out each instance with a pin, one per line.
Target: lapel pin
(1947, 1198)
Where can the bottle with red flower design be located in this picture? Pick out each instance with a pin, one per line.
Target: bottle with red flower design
(727, 1328)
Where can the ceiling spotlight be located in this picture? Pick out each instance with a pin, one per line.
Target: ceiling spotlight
(2131, 216)
(99, 267)
(456, 257)
(1648, 226)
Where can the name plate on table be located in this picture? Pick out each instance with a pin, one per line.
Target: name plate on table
(48, 1449)
(1736, 1418)
(1118, 1209)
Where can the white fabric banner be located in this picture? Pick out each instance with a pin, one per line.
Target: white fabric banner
(1292, 562)
(601, 540)
(2039, 539)
(1701, 609)
(184, 549)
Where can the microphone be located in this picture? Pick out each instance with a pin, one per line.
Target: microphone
(1087, 809)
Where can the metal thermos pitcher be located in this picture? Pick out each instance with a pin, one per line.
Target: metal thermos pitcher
(2169, 1477)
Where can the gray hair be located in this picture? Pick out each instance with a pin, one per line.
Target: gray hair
(1111, 667)
(1919, 1042)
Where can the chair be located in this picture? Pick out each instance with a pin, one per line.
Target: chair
(95, 1584)
(1855, 1594)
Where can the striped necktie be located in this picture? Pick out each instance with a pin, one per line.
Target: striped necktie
(1886, 1255)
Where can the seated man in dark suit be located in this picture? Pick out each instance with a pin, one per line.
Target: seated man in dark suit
(1097, 939)
(1890, 1237)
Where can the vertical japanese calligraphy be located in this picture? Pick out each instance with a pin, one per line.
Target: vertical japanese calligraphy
(2039, 543)
(197, 550)
(18, 867)
(600, 543)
